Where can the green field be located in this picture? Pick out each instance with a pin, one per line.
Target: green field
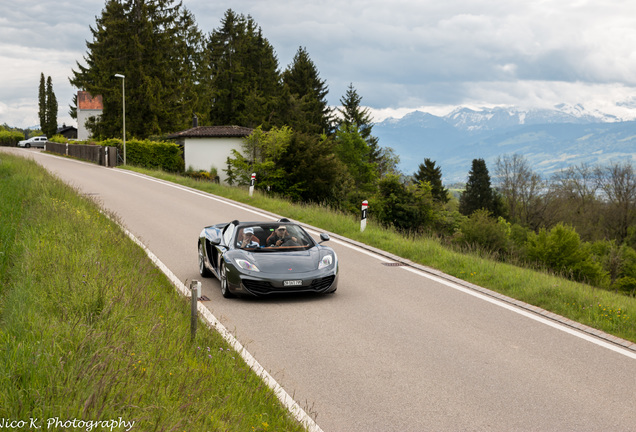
(91, 331)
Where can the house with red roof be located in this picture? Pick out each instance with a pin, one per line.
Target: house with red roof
(89, 108)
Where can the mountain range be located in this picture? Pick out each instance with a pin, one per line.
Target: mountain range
(549, 139)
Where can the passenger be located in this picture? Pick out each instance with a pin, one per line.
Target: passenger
(247, 239)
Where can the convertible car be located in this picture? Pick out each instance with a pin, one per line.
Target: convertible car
(262, 258)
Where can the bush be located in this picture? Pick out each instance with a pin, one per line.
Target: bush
(561, 250)
(483, 230)
(59, 139)
(201, 174)
(407, 208)
(10, 138)
(625, 285)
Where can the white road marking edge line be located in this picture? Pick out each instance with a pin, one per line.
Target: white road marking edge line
(525, 313)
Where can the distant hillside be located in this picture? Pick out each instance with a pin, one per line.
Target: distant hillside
(549, 139)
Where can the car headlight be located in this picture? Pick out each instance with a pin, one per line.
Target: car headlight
(326, 261)
(246, 265)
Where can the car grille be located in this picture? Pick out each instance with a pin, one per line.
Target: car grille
(264, 287)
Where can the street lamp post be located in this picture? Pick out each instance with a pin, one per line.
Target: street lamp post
(123, 98)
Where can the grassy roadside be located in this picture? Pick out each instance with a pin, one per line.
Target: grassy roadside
(607, 311)
(91, 331)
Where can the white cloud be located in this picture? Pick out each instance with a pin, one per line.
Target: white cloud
(399, 55)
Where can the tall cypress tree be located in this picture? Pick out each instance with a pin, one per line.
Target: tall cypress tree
(42, 102)
(306, 105)
(50, 123)
(428, 172)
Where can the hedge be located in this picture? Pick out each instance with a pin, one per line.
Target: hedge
(10, 138)
(150, 154)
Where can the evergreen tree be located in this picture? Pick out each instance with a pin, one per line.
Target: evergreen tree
(354, 115)
(479, 194)
(306, 105)
(50, 123)
(354, 153)
(244, 77)
(42, 102)
(428, 172)
(314, 173)
(152, 43)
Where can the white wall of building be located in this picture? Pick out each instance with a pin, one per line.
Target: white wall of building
(83, 133)
(205, 153)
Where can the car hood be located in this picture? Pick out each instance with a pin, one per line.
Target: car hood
(284, 262)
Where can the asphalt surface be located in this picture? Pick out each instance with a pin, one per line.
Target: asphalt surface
(393, 349)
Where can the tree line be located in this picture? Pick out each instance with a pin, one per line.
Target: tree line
(304, 150)
(231, 76)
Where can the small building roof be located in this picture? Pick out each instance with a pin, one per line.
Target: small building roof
(65, 128)
(213, 132)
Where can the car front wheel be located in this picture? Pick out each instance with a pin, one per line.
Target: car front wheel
(225, 290)
(203, 271)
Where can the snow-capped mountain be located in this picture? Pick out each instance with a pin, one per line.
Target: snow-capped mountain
(499, 118)
(551, 139)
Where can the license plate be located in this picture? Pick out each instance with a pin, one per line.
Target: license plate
(292, 283)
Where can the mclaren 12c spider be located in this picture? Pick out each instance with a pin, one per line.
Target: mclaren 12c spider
(263, 258)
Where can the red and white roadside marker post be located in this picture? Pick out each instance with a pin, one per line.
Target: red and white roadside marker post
(252, 183)
(363, 220)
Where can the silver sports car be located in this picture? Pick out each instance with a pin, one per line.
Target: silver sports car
(261, 258)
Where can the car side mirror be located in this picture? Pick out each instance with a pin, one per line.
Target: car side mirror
(214, 238)
(324, 237)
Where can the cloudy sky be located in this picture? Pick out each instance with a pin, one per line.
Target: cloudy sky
(400, 55)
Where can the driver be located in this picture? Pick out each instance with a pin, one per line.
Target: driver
(281, 237)
(247, 239)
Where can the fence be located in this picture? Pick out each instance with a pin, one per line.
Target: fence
(106, 156)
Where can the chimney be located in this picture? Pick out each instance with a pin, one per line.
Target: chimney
(195, 121)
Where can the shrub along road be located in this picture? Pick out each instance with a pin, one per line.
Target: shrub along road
(392, 350)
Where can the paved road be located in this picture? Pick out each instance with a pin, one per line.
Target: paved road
(392, 350)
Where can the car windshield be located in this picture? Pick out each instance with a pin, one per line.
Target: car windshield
(272, 237)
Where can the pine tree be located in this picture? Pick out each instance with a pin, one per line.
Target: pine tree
(428, 172)
(154, 44)
(244, 77)
(306, 105)
(353, 114)
(42, 102)
(50, 123)
(478, 193)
